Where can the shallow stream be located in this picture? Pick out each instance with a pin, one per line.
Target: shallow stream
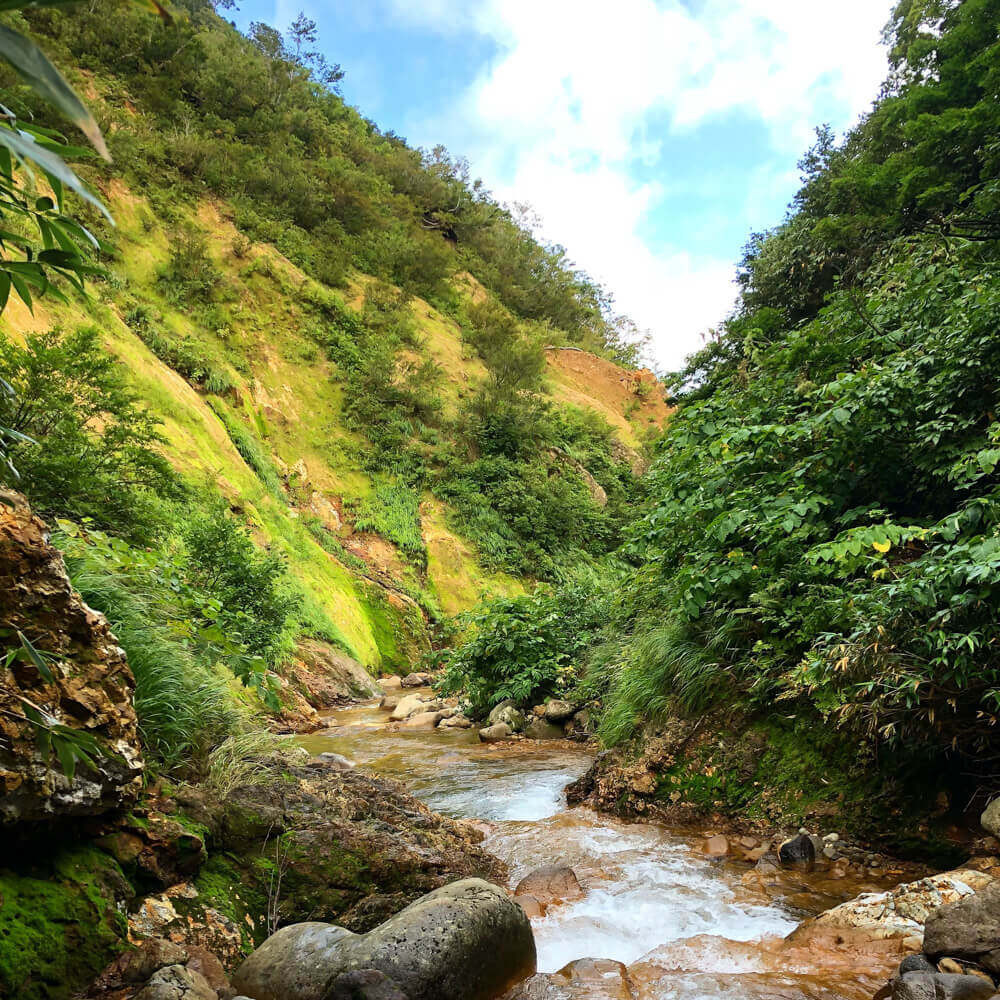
(686, 926)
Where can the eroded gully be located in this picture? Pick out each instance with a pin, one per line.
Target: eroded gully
(684, 926)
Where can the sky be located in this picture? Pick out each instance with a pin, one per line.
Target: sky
(650, 137)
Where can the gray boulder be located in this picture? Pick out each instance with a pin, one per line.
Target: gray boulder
(507, 712)
(494, 734)
(940, 986)
(558, 710)
(916, 963)
(968, 929)
(539, 729)
(416, 679)
(364, 984)
(175, 982)
(990, 818)
(465, 941)
(294, 963)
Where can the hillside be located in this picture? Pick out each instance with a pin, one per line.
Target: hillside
(281, 391)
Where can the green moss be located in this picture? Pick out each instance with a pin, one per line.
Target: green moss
(59, 924)
(237, 892)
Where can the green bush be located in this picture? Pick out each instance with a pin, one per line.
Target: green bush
(89, 448)
(524, 648)
(258, 604)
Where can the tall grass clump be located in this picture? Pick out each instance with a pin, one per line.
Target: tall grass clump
(183, 701)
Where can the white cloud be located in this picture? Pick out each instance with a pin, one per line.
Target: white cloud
(561, 119)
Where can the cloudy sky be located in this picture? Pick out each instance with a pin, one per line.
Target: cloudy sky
(650, 136)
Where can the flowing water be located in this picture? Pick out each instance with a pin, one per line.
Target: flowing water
(684, 925)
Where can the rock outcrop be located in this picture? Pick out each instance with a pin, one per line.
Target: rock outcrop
(90, 689)
(967, 929)
(466, 941)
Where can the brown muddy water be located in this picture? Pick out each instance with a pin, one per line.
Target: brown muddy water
(681, 925)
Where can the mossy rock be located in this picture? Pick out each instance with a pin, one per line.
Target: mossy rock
(60, 923)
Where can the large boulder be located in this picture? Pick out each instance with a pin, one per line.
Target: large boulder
(465, 941)
(558, 710)
(941, 986)
(990, 818)
(89, 689)
(967, 929)
(539, 729)
(328, 676)
(508, 713)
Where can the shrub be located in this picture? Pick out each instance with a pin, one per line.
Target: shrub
(92, 451)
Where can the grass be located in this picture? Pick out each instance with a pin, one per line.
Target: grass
(186, 707)
(250, 448)
(393, 511)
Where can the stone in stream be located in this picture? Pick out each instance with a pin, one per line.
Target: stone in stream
(412, 704)
(798, 852)
(716, 847)
(465, 941)
(551, 884)
(940, 986)
(421, 721)
(539, 729)
(494, 734)
(391, 683)
(416, 680)
(584, 979)
(455, 722)
(389, 702)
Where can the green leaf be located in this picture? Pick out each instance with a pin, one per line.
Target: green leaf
(37, 658)
(29, 60)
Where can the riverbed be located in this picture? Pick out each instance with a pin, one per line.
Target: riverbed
(682, 925)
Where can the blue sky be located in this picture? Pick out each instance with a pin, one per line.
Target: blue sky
(649, 137)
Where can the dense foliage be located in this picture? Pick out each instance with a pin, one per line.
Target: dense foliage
(822, 536)
(825, 525)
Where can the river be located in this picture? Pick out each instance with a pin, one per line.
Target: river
(685, 926)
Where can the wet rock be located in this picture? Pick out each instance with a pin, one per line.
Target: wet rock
(950, 965)
(584, 979)
(465, 941)
(551, 884)
(455, 722)
(391, 683)
(967, 929)
(940, 986)
(916, 963)
(421, 721)
(797, 852)
(364, 984)
(990, 819)
(337, 760)
(558, 710)
(410, 705)
(540, 729)
(508, 713)
(494, 734)
(91, 688)
(532, 908)
(389, 702)
(715, 847)
(175, 982)
(416, 679)
(156, 847)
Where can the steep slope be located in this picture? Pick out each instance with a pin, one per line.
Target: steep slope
(242, 364)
